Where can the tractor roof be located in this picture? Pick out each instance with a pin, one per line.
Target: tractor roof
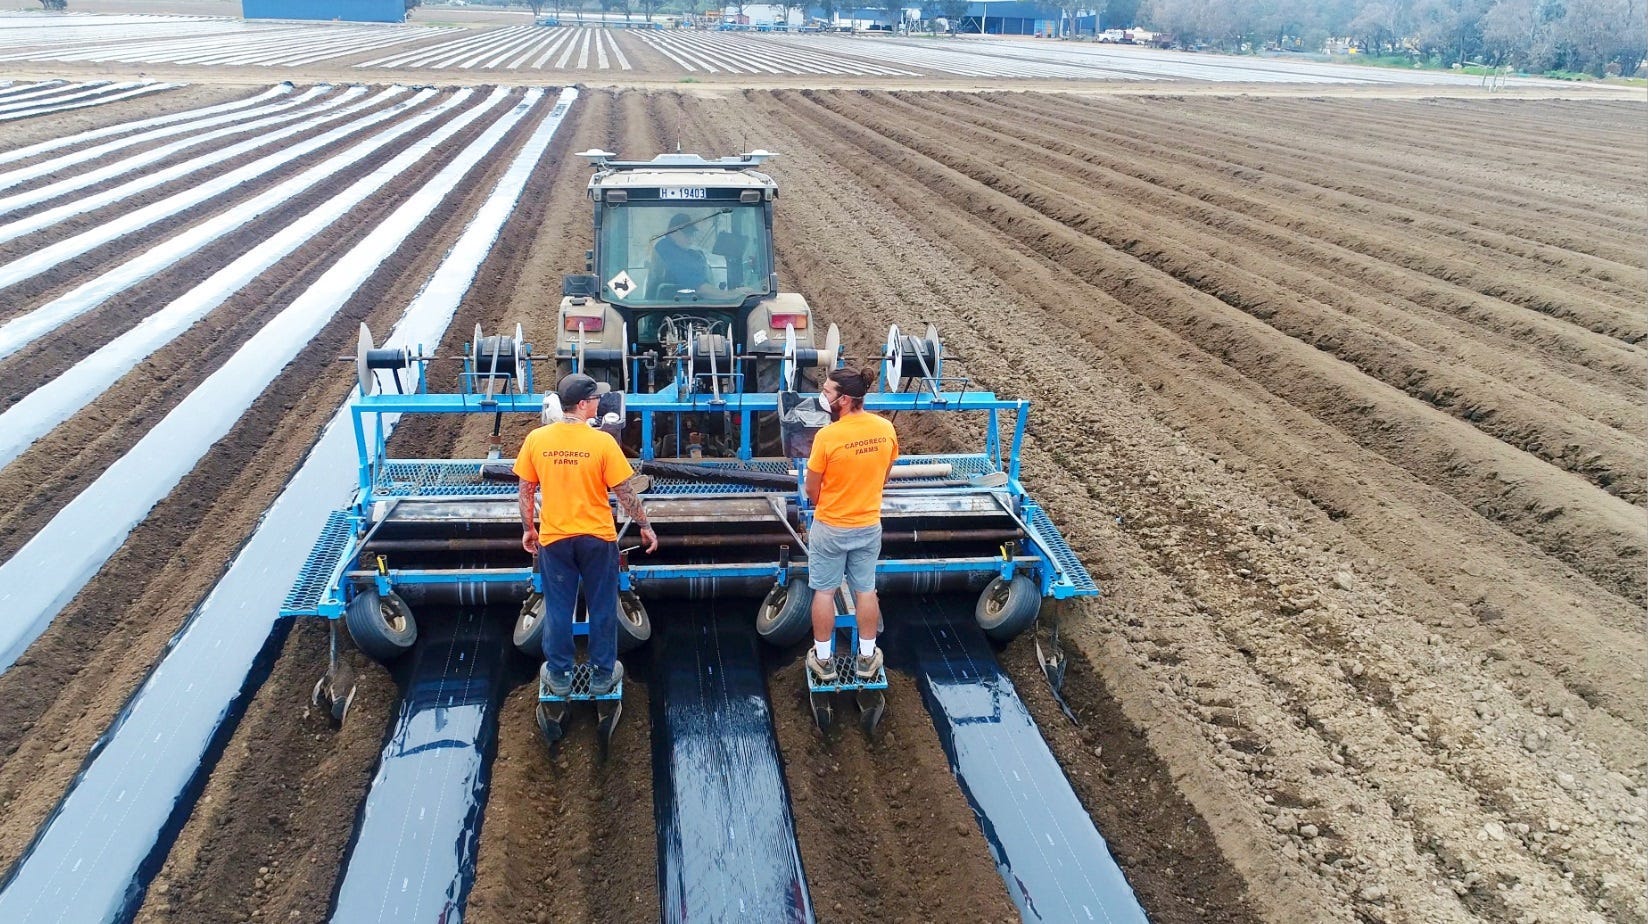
(735, 172)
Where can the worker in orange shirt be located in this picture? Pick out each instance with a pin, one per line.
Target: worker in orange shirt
(850, 462)
(575, 539)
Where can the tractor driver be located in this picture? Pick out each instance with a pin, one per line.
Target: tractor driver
(575, 540)
(850, 462)
(676, 263)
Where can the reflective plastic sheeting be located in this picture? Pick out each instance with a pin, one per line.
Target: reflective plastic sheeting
(413, 855)
(726, 835)
(1056, 864)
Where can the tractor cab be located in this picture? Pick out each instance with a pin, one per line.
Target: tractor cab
(682, 263)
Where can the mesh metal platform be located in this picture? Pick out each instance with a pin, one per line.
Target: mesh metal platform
(846, 680)
(314, 579)
(1068, 562)
(462, 477)
(436, 478)
(582, 674)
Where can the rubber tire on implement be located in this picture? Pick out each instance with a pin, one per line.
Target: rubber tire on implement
(529, 627)
(634, 626)
(1006, 609)
(383, 628)
(785, 616)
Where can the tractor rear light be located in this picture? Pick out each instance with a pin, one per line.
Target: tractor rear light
(797, 321)
(591, 324)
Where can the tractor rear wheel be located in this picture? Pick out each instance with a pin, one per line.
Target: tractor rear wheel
(1006, 608)
(382, 626)
(785, 616)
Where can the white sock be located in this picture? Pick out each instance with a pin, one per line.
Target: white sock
(823, 650)
(866, 646)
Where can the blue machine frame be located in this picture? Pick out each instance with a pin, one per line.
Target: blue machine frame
(324, 587)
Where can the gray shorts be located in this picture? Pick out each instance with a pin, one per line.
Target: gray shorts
(833, 550)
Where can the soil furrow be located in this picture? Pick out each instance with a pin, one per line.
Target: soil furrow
(1317, 486)
(1436, 254)
(1459, 835)
(1586, 528)
(35, 485)
(1402, 172)
(1262, 288)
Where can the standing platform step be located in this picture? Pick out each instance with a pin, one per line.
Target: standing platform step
(310, 589)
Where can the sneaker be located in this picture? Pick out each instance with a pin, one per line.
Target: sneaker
(558, 683)
(867, 668)
(822, 671)
(602, 683)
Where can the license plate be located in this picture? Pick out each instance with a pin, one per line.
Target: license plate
(682, 192)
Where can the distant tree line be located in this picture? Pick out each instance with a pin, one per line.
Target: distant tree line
(1598, 37)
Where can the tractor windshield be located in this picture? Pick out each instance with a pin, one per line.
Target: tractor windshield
(676, 253)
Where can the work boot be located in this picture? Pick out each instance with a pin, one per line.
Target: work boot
(822, 671)
(867, 668)
(558, 683)
(601, 683)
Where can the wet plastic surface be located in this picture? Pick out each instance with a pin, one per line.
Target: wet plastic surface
(1056, 864)
(92, 526)
(179, 719)
(36, 413)
(412, 858)
(726, 836)
(143, 131)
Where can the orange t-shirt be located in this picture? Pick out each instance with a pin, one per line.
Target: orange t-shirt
(854, 455)
(576, 464)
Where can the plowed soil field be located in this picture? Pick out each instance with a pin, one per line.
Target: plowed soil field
(1340, 400)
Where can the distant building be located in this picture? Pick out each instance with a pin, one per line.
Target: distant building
(987, 18)
(344, 10)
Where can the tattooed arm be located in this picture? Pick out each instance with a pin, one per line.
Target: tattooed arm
(527, 494)
(630, 502)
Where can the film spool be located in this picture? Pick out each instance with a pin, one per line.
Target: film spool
(369, 359)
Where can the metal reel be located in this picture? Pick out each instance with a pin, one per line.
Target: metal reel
(892, 361)
(487, 366)
(368, 358)
(789, 368)
(830, 356)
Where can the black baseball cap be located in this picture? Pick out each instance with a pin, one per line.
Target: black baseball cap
(579, 387)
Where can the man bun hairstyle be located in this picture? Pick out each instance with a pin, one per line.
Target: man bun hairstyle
(854, 383)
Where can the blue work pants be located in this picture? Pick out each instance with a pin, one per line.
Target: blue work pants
(563, 564)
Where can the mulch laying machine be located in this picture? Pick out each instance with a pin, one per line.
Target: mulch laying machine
(714, 397)
(446, 532)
